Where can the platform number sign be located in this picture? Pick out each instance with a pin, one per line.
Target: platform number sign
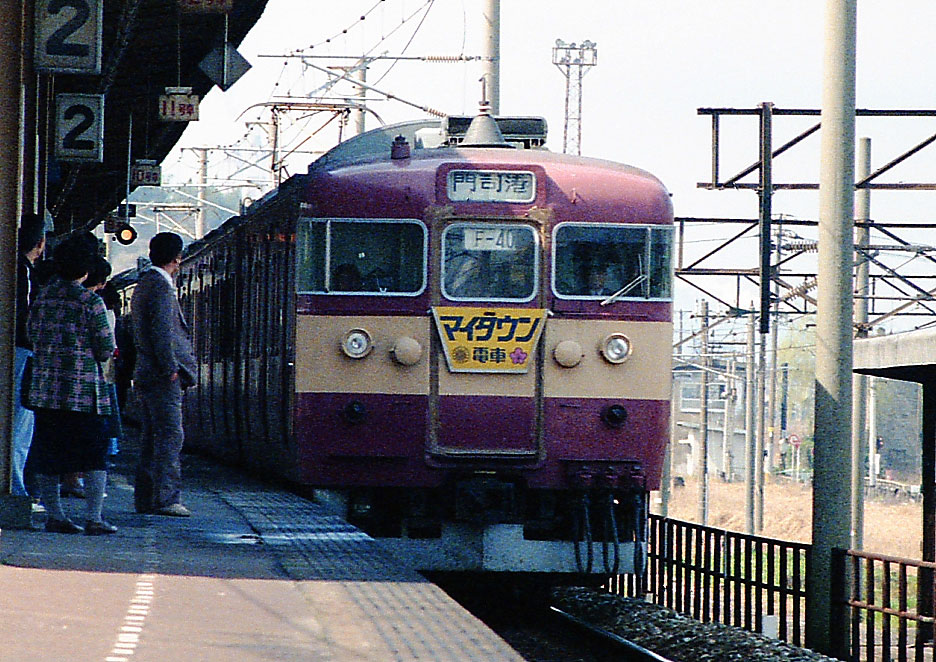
(68, 36)
(79, 124)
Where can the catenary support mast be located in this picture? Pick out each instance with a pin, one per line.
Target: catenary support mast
(832, 459)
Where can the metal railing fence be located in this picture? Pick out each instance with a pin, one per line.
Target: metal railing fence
(712, 574)
(890, 618)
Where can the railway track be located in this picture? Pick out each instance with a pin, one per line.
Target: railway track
(616, 646)
(523, 616)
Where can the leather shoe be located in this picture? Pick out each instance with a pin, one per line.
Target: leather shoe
(62, 526)
(174, 510)
(98, 528)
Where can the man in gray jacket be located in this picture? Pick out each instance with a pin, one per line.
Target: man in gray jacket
(165, 367)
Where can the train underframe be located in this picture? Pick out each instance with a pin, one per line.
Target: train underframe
(497, 524)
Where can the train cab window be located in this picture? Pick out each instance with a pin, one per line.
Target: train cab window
(361, 256)
(489, 262)
(598, 261)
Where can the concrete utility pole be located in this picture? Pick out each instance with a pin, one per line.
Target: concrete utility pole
(703, 417)
(765, 193)
(750, 465)
(728, 424)
(666, 483)
(872, 432)
(573, 61)
(831, 522)
(760, 411)
(360, 114)
(203, 181)
(491, 54)
(860, 387)
(773, 374)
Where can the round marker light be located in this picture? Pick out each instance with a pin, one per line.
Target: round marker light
(616, 348)
(357, 344)
(568, 354)
(406, 351)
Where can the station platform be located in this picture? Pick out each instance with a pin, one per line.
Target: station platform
(255, 574)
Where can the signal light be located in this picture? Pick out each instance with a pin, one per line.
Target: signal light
(125, 234)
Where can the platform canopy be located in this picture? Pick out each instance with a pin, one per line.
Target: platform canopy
(146, 47)
(907, 356)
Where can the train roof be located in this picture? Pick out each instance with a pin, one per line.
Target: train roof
(441, 138)
(431, 140)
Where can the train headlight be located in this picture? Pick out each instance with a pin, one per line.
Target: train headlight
(568, 354)
(357, 343)
(616, 348)
(406, 351)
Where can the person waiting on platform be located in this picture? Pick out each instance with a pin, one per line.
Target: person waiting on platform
(71, 338)
(31, 246)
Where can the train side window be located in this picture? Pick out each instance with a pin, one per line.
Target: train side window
(361, 256)
(487, 262)
(597, 261)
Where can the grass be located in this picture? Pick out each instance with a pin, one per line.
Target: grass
(890, 528)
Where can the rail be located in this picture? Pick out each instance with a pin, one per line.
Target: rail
(712, 574)
(891, 606)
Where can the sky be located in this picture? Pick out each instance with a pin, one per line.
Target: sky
(658, 62)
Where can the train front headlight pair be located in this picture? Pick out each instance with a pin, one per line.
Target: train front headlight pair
(615, 348)
(357, 344)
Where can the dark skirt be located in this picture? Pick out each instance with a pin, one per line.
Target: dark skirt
(68, 441)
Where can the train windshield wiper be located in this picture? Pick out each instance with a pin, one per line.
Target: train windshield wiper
(624, 290)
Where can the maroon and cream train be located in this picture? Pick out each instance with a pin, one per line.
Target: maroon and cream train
(462, 335)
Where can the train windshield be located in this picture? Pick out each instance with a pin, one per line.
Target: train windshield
(604, 261)
(361, 256)
(489, 262)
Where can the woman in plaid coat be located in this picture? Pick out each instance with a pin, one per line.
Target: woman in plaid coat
(71, 338)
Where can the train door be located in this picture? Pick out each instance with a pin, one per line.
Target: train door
(486, 370)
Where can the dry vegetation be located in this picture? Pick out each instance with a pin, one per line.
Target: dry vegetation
(890, 528)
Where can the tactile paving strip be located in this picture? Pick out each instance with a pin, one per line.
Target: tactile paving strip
(414, 618)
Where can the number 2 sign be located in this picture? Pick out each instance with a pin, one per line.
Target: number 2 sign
(79, 124)
(68, 36)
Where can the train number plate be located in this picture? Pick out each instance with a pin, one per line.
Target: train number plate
(491, 186)
(494, 239)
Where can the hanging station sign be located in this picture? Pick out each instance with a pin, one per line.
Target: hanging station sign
(145, 172)
(68, 36)
(178, 104)
(79, 127)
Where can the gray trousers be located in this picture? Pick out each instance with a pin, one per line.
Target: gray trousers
(159, 474)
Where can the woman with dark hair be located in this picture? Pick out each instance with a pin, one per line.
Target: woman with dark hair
(71, 338)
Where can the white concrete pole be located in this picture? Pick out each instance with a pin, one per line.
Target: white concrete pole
(360, 115)
(832, 460)
(860, 387)
(750, 465)
(873, 462)
(728, 424)
(491, 53)
(761, 412)
(704, 418)
(203, 185)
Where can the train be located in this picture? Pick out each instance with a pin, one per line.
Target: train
(457, 338)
